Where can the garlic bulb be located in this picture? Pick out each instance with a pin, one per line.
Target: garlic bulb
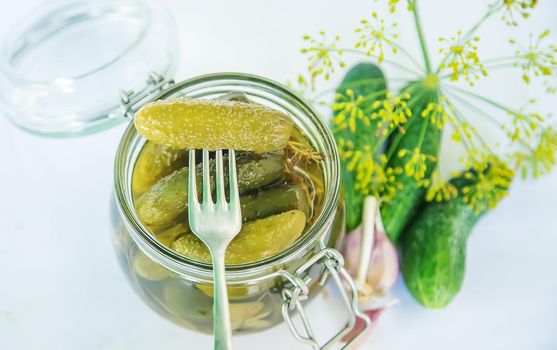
(370, 257)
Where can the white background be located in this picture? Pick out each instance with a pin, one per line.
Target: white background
(61, 287)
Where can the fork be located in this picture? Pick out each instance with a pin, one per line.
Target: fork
(216, 224)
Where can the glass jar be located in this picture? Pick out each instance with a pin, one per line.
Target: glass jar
(51, 67)
(263, 293)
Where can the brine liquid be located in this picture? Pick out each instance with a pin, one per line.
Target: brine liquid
(254, 307)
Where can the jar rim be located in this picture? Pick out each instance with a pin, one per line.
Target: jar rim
(157, 251)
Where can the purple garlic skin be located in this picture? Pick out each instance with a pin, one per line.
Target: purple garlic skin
(383, 267)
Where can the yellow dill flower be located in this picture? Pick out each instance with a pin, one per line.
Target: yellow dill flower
(461, 58)
(440, 190)
(323, 56)
(462, 132)
(536, 59)
(372, 177)
(417, 163)
(350, 108)
(513, 8)
(523, 126)
(539, 159)
(393, 4)
(300, 86)
(437, 113)
(345, 149)
(489, 182)
(375, 36)
(392, 112)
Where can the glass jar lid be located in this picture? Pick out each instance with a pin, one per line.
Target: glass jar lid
(63, 67)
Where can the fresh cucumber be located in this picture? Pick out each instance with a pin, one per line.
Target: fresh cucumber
(433, 248)
(397, 212)
(366, 80)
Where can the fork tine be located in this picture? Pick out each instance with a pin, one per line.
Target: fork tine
(219, 179)
(192, 186)
(207, 199)
(232, 179)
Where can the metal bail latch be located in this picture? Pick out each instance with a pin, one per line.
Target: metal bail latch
(130, 100)
(297, 290)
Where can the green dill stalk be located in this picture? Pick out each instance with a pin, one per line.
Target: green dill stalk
(421, 37)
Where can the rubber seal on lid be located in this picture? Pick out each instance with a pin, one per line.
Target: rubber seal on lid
(63, 67)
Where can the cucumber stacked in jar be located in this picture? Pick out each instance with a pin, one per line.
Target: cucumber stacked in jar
(281, 192)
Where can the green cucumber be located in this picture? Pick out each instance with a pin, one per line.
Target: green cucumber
(365, 79)
(398, 211)
(433, 249)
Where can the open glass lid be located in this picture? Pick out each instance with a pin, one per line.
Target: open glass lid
(63, 67)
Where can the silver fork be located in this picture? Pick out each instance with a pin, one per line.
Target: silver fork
(216, 224)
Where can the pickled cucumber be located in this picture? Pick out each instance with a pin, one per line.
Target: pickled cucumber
(257, 240)
(165, 202)
(274, 200)
(168, 235)
(154, 162)
(214, 124)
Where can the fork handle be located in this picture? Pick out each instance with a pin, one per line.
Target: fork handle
(221, 311)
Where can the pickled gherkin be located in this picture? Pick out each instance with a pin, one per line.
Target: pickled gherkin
(277, 203)
(214, 124)
(154, 162)
(274, 200)
(256, 241)
(166, 201)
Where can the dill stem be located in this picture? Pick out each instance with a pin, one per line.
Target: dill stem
(483, 99)
(421, 37)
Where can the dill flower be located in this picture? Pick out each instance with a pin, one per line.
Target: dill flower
(532, 148)
(350, 108)
(323, 56)
(489, 182)
(461, 58)
(416, 165)
(524, 125)
(393, 4)
(372, 176)
(375, 36)
(392, 112)
(300, 85)
(514, 8)
(539, 159)
(437, 113)
(439, 190)
(536, 59)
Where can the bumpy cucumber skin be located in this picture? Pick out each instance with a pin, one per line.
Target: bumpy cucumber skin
(397, 212)
(257, 240)
(433, 251)
(360, 72)
(214, 124)
(155, 161)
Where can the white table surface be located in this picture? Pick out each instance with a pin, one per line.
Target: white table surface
(61, 287)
